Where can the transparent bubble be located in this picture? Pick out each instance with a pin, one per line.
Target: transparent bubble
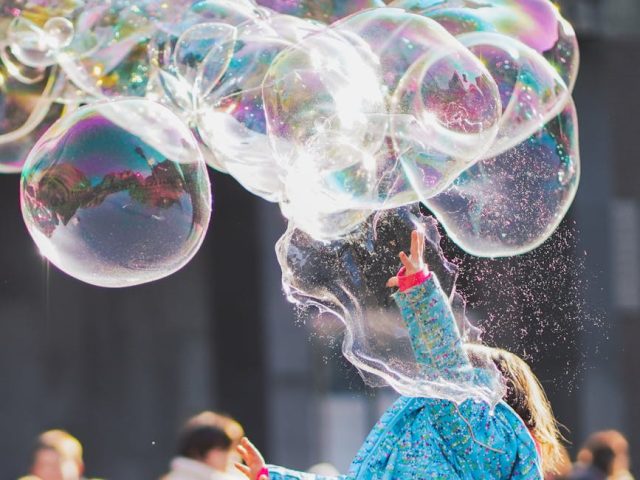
(26, 110)
(531, 91)
(38, 45)
(416, 106)
(323, 190)
(116, 194)
(292, 29)
(322, 86)
(202, 56)
(536, 23)
(511, 203)
(232, 12)
(322, 100)
(430, 76)
(227, 115)
(232, 121)
(347, 278)
(30, 43)
(108, 55)
(59, 30)
(322, 10)
(207, 27)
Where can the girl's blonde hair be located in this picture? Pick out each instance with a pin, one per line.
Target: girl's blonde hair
(526, 396)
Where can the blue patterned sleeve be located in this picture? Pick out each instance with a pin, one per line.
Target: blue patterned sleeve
(280, 473)
(433, 331)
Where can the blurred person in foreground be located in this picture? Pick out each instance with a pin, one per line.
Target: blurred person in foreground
(604, 455)
(324, 468)
(57, 455)
(206, 448)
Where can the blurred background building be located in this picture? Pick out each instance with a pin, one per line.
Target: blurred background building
(122, 368)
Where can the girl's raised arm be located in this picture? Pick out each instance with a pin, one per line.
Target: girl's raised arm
(427, 313)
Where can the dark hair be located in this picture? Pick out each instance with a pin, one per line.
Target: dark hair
(603, 457)
(197, 440)
(606, 451)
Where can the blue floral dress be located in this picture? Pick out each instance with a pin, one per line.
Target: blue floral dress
(430, 438)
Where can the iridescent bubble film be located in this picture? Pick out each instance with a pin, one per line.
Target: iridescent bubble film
(26, 111)
(108, 54)
(326, 11)
(380, 107)
(536, 23)
(113, 205)
(347, 114)
(347, 278)
(495, 210)
(227, 49)
(531, 91)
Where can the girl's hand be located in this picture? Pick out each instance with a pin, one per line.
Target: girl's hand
(414, 263)
(255, 468)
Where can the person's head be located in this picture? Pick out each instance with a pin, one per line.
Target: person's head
(230, 426)
(527, 398)
(57, 455)
(209, 438)
(607, 451)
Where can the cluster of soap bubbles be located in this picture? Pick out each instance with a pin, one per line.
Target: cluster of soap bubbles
(345, 113)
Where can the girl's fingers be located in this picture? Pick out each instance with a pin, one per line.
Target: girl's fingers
(414, 245)
(251, 450)
(392, 282)
(246, 471)
(264, 477)
(243, 452)
(405, 261)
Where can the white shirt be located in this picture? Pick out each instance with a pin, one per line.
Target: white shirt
(183, 468)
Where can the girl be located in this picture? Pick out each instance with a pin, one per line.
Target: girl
(420, 438)
(527, 398)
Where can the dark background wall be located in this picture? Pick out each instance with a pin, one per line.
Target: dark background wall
(122, 368)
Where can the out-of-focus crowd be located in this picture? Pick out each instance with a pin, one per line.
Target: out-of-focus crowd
(206, 450)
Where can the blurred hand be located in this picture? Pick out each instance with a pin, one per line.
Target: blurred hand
(415, 261)
(253, 460)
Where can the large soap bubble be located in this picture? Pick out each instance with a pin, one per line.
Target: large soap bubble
(511, 203)
(322, 99)
(531, 91)
(347, 278)
(231, 121)
(444, 107)
(117, 194)
(227, 48)
(379, 109)
(536, 23)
